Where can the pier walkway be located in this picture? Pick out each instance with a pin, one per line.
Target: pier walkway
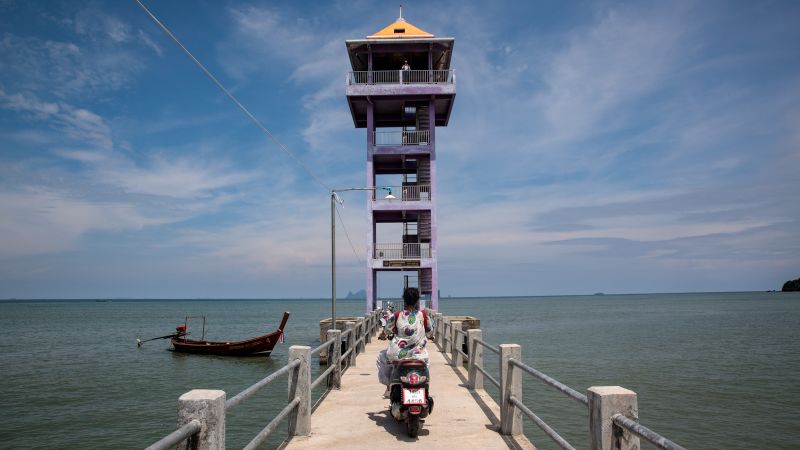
(357, 416)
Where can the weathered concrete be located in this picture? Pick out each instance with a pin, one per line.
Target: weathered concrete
(324, 326)
(335, 379)
(207, 406)
(357, 417)
(299, 386)
(456, 339)
(476, 359)
(510, 385)
(604, 402)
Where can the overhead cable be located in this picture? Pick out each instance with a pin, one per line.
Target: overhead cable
(231, 96)
(246, 111)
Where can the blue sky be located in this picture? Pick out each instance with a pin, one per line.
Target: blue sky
(594, 146)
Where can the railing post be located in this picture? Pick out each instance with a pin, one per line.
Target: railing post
(440, 331)
(359, 335)
(208, 407)
(351, 343)
(604, 403)
(367, 330)
(510, 384)
(300, 387)
(448, 330)
(455, 356)
(334, 357)
(475, 358)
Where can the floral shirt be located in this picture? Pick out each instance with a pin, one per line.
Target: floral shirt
(409, 328)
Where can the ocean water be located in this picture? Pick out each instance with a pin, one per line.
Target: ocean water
(712, 371)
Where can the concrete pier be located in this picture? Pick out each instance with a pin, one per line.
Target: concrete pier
(357, 416)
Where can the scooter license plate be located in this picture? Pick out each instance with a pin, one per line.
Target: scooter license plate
(414, 396)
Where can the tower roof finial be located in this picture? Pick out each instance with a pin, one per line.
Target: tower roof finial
(400, 19)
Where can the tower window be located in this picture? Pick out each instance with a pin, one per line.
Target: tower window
(399, 30)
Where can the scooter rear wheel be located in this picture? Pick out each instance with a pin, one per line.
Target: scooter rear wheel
(412, 425)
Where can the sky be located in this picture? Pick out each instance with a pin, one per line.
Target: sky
(617, 147)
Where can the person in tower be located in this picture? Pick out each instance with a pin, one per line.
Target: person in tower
(403, 71)
(408, 331)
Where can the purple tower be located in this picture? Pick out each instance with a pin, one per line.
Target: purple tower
(400, 89)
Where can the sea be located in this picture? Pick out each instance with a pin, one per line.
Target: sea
(711, 370)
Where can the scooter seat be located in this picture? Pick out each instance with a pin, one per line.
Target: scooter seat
(411, 363)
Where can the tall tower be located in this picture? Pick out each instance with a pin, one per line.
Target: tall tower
(400, 89)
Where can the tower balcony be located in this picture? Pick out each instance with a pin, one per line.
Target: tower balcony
(401, 77)
(389, 90)
(400, 251)
(406, 193)
(401, 138)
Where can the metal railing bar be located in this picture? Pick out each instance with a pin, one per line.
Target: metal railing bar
(177, 436)
(466, 357)
(249, 392)
(323, 375)
(563, 388)
(645, 433)
(459, 331)
(318, 349)
(488, 377)
(551, 433)
(488, 347)
(264, 434)
(346, 354)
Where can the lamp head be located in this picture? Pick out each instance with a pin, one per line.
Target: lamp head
(389, 196)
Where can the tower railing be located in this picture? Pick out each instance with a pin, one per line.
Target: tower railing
(401, 77)
(395, 138)
(402, 251)
(408, 193)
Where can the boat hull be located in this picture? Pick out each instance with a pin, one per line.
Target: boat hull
(257, 346)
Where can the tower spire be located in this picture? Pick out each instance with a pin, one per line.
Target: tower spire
(400, 19)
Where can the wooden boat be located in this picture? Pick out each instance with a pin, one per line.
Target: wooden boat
(257, 346)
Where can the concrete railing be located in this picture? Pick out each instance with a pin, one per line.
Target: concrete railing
(202, 412)
(613, 410)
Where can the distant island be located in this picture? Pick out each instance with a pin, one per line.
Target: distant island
(791, 286)
(358, 295)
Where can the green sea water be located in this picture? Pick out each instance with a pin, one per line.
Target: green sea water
(712, 371)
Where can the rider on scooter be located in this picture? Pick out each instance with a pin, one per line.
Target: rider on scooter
(407, 329)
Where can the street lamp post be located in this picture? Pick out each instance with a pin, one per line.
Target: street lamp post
(336, 199)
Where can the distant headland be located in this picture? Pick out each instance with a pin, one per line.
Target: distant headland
(791, 286)
(361, 295)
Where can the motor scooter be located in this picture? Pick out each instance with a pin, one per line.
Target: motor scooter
(410, 394)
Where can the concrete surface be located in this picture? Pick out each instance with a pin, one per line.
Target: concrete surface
(357, 416)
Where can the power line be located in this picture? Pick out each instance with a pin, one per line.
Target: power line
(231, 96)
(248, 113)
(341, 220)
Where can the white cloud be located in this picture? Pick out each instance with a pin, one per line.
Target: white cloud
(38, 220)
(24, 102)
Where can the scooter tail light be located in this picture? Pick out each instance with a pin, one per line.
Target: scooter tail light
(415, 409)
(413, 378)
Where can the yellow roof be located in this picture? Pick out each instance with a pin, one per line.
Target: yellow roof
(400, 29)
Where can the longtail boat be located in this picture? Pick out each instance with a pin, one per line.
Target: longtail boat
(257, 346)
